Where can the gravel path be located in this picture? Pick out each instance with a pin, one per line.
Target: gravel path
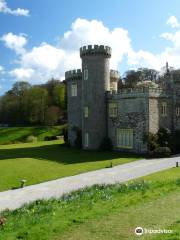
(14, 199)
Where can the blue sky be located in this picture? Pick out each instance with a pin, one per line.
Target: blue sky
(41, 39)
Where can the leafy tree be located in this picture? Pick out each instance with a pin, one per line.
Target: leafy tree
(132, 77)
(52, 115)
(59, 95)
(37, 105)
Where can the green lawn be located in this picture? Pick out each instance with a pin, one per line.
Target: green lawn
(20, 134)
(43, 161)
(102, 212)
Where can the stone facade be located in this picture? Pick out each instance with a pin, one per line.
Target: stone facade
(99, 109)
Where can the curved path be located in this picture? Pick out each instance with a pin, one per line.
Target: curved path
(14, 199)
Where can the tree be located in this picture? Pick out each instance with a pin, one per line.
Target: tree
(131, 78)
(37, 105)
(52, 115)
(20, 90)
(59, 95)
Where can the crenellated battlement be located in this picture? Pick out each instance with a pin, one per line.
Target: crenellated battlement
(114, 75)
(137, 92)
(95, 50)
(73, 74)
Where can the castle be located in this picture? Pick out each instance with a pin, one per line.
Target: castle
(99, 109)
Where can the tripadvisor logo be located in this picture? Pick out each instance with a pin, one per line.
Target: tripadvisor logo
(139, 231)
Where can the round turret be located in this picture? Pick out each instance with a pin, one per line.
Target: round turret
(95, 50)
(95, 84)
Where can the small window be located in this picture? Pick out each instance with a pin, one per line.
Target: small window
(177, 111)
(164, 109)
(74, 90)
(86, 112)
(113, 110)
(86, 139)
(85, 74)
(125, 138)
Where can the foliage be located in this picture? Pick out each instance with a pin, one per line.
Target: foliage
(132, 78)
(151, 140)
(159, 144)
(50, 138)
(106, 144)
(38, 104)
(164, 137)
(176, 141)
(162, 152)
(52, 115)
(10, 135)
(31, 139)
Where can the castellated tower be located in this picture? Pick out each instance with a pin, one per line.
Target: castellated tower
(74, 93)
(95, 84)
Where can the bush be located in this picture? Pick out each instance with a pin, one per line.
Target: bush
(176, 141)
(31, 139)
(152, 141)
(162, 152)
(50, 138)
(159, 144)
(106, 144)
(164, 137)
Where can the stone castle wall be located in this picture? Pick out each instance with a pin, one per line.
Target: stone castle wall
(132, 114)
(74, 106)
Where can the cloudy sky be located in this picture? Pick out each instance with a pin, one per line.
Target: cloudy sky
(40, 39)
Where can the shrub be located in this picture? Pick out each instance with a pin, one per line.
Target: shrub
(162, 152)
(106, 144)
(151, 140)
(178, 182)
(176, 141)
(159, 144)
(31, 139)
(164, 137)
(50, 138)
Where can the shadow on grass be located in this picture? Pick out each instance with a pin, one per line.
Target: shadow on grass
(62, 154)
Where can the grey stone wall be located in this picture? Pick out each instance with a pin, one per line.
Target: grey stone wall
(74, 106)
(133, 114)
(166, 121)
(94, 97)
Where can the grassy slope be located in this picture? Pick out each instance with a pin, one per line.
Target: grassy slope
(110, 212)
(43, 161)
(19, 134)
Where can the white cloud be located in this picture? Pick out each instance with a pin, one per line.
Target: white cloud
(173, 22)
(84, 32)
(52, 61)
(17, 12)
(1, 69)
(15, 42)
(46, 61)
(23, 74)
